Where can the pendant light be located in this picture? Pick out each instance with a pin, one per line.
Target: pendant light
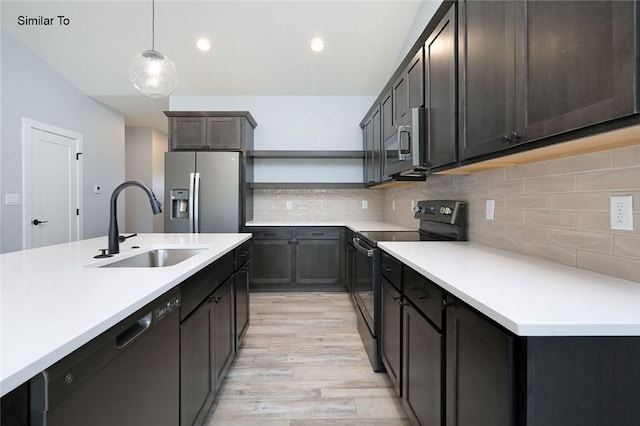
(152, 73)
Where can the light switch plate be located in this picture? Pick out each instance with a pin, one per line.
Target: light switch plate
(12, 199)
(621, 213)
(490, 213)
(289, 205)
(365, 204)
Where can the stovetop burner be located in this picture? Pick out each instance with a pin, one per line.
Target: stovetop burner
(440, 220)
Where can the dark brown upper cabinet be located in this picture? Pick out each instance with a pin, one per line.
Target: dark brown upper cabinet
(389, 127)
(210, 130)
(535, 69)
(440, 93)
(408, 89)
(372, 148)
(487, 75)
(580, 64)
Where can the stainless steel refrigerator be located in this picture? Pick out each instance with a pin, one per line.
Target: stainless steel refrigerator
(204, 192)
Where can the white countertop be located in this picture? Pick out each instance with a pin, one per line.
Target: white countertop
(53, 299)
(354, 225)
(527, 295)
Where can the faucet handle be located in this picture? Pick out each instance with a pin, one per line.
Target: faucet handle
(103, 254)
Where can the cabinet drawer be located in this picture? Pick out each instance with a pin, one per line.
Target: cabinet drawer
(424, 294)
(313, 233)
(390, 268)
(195, 289)
(241, 255)
(275, 233)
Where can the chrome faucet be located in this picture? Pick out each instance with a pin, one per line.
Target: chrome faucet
(114, 244)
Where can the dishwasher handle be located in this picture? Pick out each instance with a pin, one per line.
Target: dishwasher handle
(134, 331)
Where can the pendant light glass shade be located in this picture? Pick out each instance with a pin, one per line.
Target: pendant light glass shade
(153, 74)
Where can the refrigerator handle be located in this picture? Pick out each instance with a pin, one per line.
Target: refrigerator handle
(192, 195)
(196, 218)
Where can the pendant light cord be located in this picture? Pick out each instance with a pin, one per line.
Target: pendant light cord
(153, 25)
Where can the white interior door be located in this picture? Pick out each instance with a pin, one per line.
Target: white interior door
(52, 185)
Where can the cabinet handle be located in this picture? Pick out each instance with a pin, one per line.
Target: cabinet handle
(396, 298)
(269, 234)
(513, 138)
(419, 294)
(317, 233)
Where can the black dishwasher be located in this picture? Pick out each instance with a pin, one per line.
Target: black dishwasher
(129, 375)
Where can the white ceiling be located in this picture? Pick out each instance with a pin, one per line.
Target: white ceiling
(260, 47)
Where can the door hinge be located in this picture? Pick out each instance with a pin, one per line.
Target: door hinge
(78, 154)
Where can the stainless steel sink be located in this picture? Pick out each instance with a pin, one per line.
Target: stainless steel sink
(156, 258)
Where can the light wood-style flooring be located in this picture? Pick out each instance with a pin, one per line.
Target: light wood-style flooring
(302, 363)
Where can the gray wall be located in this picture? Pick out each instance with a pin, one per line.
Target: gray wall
(32, 89)
(144, 153)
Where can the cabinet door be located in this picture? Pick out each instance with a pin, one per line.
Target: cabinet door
(318, 262)
(196, 387)
(241, 303)
(372, 148)
(440, 93)
(415, 81)
(188, 133)
(225, 133)
(391, 332)
(580, 64)
(422, 385)
(487, 74)
(223, 338)
(388, 120)
(400, 99)
(271, 262)
(479, 376)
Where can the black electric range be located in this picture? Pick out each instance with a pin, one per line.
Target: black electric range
(440, 220)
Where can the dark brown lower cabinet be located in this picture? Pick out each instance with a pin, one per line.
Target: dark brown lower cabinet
(223, 336)
(391, 332)
(297, 259)
(480, 377)
(494, 378)
(196, 388)
(214, 317)
(241, 287)
(422, 394)
(272, 262)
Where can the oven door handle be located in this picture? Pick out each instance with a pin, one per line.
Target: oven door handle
(361, 248)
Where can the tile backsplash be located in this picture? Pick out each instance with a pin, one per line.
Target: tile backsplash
(557, 209)
(316, 205)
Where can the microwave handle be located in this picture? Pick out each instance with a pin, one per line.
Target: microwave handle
(404, 155)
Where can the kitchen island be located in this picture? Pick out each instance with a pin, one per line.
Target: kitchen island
(55, 299)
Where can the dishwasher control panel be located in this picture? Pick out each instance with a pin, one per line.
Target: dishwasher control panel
(164, 310)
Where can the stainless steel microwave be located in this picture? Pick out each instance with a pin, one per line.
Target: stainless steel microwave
(404, 152)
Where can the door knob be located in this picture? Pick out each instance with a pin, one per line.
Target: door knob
(38, 222)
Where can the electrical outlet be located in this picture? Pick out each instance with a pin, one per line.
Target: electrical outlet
(393, 205)
(365, 204)
(490, 212)
(621, 213)
(289, 205)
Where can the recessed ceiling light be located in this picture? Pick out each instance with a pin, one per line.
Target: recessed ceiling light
(317, 44)
(203, 44)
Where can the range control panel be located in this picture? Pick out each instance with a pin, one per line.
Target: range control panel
(444, 211)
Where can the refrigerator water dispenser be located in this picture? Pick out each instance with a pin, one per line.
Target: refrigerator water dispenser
(179, 204)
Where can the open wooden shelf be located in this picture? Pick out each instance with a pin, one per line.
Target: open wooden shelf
(304, 154)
